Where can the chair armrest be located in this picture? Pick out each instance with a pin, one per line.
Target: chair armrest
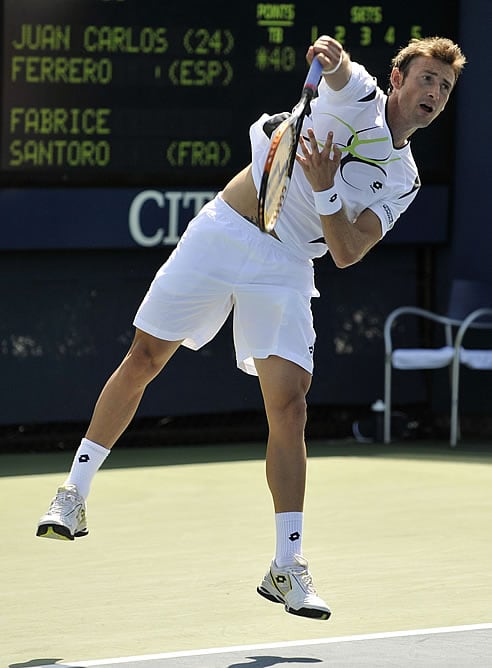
(418, 312)
(470, 323)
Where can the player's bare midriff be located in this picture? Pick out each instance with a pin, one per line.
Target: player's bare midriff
(240, 194)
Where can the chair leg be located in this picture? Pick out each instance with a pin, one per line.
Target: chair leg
(387, 400)
(454, 426)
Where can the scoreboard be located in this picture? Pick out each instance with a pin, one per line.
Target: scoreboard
(144, 92)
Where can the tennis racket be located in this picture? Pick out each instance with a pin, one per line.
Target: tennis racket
(282, 154)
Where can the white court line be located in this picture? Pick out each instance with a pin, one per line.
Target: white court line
(273, 645)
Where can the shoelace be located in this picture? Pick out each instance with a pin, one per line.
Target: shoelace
(61, 498)
(307, 580)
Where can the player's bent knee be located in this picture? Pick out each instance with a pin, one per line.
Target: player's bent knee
(148, 355)
(289, 412)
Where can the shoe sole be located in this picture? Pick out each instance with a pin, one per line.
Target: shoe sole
(58, 532)
(270, 597)
(311, 613)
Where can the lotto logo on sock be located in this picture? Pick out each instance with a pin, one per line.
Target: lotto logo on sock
(294, 536)
(84, 458)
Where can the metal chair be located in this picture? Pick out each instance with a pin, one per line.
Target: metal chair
(470, 308)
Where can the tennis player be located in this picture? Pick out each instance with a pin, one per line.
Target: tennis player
(354, 176)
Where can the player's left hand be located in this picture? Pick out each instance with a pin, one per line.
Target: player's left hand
(319, 166)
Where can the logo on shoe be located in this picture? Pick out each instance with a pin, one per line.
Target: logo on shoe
(282, 583)
(294, 536)
(83, 459)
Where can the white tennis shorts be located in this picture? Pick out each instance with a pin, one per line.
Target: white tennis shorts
(224, 263)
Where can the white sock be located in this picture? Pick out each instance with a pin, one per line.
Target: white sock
(86, 463)
(289, 538)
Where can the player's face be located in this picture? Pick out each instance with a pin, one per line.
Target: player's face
(425, 89)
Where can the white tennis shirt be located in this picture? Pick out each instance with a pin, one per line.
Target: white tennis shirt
(372, 174)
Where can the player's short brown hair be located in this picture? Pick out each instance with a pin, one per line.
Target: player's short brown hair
(441, 48)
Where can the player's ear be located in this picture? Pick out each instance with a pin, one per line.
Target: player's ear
(396, 78)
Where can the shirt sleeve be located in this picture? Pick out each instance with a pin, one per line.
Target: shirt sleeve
(389, 210)
(360, 85)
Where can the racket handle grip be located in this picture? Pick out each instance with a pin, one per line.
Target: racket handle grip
(313, 77)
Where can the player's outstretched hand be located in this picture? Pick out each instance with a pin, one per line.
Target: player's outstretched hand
(319, 163)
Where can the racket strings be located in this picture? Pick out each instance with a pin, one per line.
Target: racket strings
(278, 167)
(281, 156)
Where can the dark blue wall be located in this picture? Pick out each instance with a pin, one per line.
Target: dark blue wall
(471, 243)
(67, 320)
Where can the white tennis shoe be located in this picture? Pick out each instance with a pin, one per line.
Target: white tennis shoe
(293, 586)
(65, 519)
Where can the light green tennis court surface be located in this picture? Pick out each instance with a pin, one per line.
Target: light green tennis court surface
(396, 539)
